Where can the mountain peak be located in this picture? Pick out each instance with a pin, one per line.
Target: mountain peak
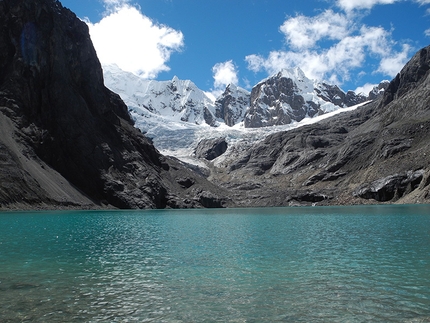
(231, 87)
(175, 79)
(232, 105)
(290, 96)
(292, 73)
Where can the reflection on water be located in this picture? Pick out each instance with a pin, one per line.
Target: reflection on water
(324, 264)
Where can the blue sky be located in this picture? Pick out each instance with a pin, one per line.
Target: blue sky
(352, 43)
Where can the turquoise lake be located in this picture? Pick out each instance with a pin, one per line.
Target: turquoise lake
(313, 264)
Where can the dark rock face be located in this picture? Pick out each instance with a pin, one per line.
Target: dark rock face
(388, 188)
(352, 98)
(186, 182)
(280, 99)
(232, 105)
(412, 75)
(63, 120)
(56, 83)
(331, 93)
(274, 93)
(379, 90)
(210, 149)
(209, 200)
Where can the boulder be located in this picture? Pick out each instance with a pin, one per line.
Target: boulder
(210, 149)
(388, 188)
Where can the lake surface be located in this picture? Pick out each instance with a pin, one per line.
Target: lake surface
(321, 264)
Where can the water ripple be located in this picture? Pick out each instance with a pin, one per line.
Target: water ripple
(362, 264)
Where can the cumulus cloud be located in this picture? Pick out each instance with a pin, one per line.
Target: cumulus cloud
(347, 48)
(349, 5)
(303, 32)
(391, 65)
(427, 32)
(114, 5)
(224, 74)
(365, 89)
(132, 41)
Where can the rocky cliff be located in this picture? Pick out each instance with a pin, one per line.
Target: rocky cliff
(378, 153)
(290, 96)
(232, 105)
(66, 140)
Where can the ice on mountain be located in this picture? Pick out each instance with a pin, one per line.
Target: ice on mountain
(177, 115)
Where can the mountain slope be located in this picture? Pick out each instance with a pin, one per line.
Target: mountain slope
(379, 153)
(66, 139)
(176, 115)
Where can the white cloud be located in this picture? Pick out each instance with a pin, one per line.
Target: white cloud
(349, 5)
(427, 32)
(114, 5)
(303, 32)
(224, 74)
(391, 65)
(347, 48)
(133, 41)
(365, 89)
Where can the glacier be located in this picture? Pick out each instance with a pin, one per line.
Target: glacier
(176, 115)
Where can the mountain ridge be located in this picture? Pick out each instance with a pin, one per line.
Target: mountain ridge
(269, 103)
(67, 141)
(379, 153)
(70, 141)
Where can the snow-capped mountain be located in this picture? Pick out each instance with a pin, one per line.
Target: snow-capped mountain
(177, 115)
(286, 97)
(174, 100)
(290, 96)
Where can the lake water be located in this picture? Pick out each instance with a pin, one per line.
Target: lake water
(321, 264)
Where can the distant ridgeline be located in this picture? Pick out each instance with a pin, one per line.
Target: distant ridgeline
(67, 141)
(283, 98)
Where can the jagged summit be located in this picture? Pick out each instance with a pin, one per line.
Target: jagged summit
(378, 90)
(294, 73)
(231, 88)
(290, 96)
(285, 97)
(232, 105)
(174, 100)
(175, 79)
